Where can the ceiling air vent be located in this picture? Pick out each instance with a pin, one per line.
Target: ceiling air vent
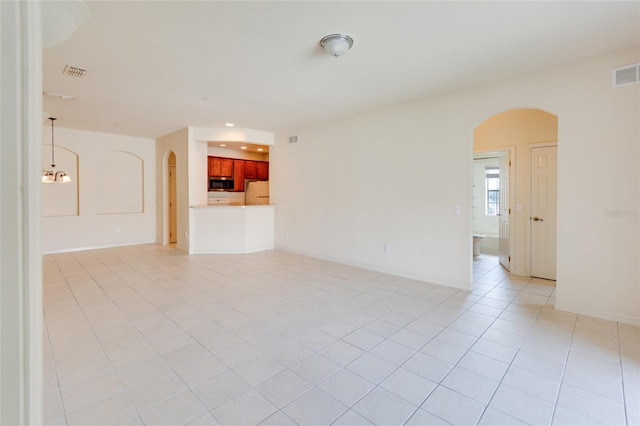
(293, 139)
(623, 76)
(74, 71)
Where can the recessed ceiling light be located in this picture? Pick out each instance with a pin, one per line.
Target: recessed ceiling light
(243, 147)
(229, 124)
(260, 149)
(222, 144)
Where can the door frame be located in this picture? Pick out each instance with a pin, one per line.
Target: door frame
(531, 147)
(173, 208)
(164, 204)
(492, 152)
(21, 295)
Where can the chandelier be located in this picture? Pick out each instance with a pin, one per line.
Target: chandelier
(53, 176)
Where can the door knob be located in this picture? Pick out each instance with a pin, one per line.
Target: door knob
(537, 219)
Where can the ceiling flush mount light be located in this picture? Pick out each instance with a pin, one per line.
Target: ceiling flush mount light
(229, 124)
(51, 176)
(336, 44)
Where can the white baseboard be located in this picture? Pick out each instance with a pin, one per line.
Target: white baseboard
(245, 251)
(429, 279)
(489, 251)
(74, 249)
(611, 316)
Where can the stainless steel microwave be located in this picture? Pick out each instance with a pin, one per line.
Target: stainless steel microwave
(220, 184)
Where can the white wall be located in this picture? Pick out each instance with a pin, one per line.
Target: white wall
(391, 176)
(107, 214)
(198, 172)
(215, 151)
(394, 176)
(231, 229)
(234, 134)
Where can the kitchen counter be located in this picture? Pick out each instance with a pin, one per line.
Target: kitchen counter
(230, 229)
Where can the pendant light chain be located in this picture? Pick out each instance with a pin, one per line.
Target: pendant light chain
(51, 176)
(53, 163)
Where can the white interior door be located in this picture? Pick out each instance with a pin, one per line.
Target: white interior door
(173, 223)
(505, 212)
(544, 172)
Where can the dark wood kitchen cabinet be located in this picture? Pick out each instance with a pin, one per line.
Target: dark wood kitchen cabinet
(238, 175)
(262, 170)
(221, 167)
(250, 171)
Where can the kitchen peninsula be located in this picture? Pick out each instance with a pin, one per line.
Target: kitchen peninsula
(224, 229)
(237, 217)
(195, 167)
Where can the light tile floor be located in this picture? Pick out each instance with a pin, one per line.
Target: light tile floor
(148, 335)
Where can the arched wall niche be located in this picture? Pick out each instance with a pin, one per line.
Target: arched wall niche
(120, 183)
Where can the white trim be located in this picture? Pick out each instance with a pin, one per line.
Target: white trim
(246, 251)
(520, 272)
(20, 248)
(105, 246)
(596, 313)
(427, 279)
(164, 201)
(165, 196)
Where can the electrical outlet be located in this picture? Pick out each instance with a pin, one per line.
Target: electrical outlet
(387, 248)
(118, 229)
(286, 234)
(457, 209)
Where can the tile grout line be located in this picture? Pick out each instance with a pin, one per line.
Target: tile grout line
(326, 295)
(99, 341)
(624, 399)
(564, 368)
(486, 406)
(125, 389)
(55, 369)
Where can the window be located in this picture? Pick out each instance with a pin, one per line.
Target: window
(492, 178)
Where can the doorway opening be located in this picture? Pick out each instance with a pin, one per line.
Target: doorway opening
(492, 192)
(510, 137)
(172, 199)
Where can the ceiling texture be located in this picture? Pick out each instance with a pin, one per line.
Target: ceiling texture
(154, 67)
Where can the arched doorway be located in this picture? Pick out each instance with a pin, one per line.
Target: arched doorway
(519, 133)
(172, 199)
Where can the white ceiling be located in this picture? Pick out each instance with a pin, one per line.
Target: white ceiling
(158, 66)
